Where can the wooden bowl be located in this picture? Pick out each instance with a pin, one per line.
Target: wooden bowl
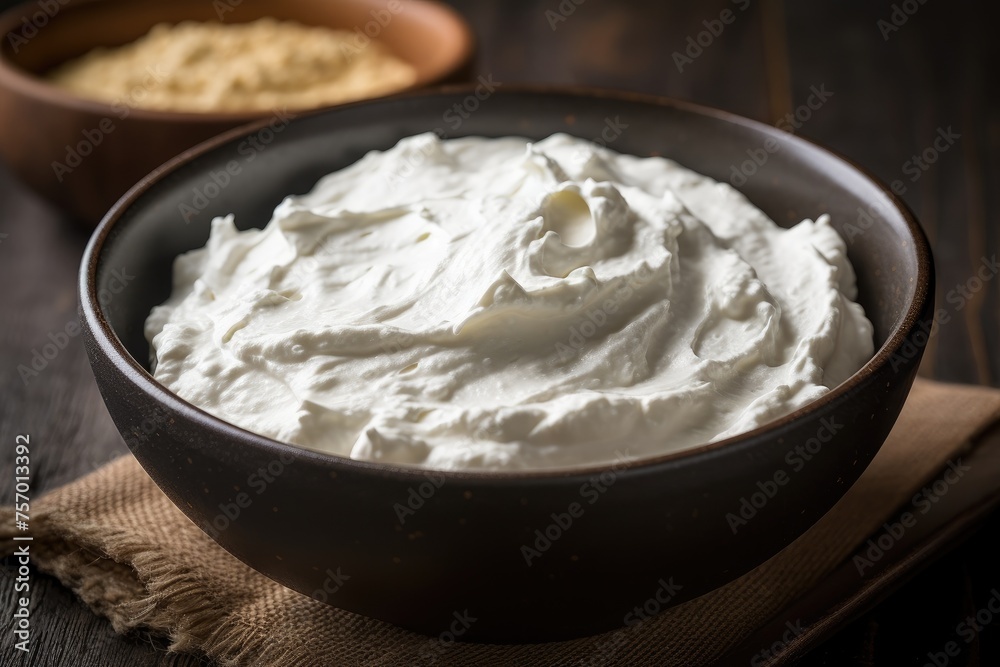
(83, 155)
(659, 519)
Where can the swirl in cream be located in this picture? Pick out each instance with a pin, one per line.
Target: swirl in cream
(510, 305)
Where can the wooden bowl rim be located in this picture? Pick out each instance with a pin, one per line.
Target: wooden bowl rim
(22, 81)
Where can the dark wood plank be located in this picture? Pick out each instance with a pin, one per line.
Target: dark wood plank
(895, 95)
(62, 411)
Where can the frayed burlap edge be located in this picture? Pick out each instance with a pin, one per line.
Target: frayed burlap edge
(161, 599)
(140, 590)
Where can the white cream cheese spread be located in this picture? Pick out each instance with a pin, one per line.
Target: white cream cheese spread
(501, 304)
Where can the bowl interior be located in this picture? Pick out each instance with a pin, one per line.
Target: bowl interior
(171, 214)
(426, 34)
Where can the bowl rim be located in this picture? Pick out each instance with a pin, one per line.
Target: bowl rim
(107, 341)
(30, 85)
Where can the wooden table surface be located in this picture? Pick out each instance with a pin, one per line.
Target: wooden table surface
(898, 81)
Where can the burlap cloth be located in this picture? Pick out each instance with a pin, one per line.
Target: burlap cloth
(117, 541)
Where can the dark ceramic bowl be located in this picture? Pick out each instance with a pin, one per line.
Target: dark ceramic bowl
(418, 546)
(83, 155)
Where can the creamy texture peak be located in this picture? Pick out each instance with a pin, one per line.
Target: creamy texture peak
(502, 304)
